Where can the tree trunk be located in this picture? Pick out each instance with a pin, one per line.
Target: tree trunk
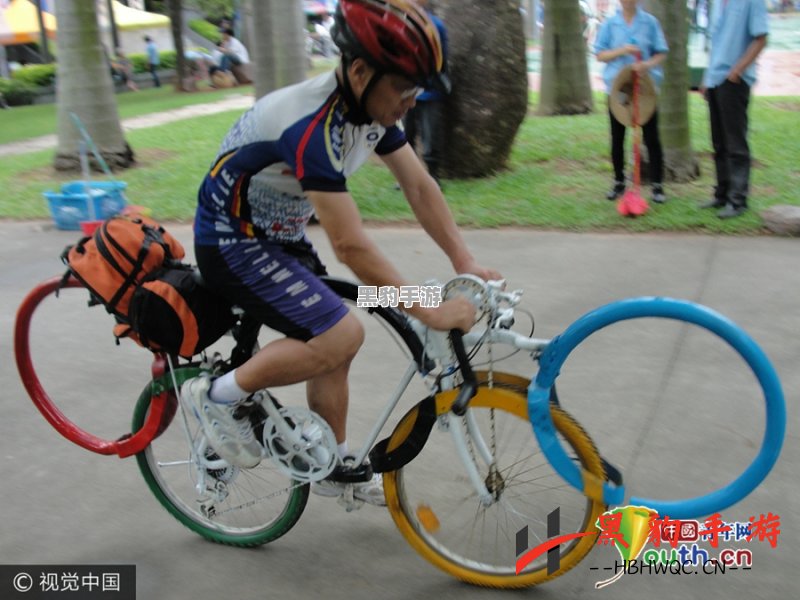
(84, 87)
(489, 100)
(680, 162)
(278, 40)
(182, 82)
(565, 87)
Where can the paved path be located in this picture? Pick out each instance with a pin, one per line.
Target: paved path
(238, 101)
(668, 404)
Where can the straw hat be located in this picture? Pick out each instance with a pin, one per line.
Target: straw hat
(620, 100)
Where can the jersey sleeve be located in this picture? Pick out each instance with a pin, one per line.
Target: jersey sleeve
(393, 139)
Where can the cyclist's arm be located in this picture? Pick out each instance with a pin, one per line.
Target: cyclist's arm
(431, 210)
(338, 214)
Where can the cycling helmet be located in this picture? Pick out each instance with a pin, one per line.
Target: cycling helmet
(394, 36)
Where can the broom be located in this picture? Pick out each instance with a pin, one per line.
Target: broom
(632, 204)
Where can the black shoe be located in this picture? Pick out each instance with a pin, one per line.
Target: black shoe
(616, 191)
(730, 211)
(658, 194)
(714, 203)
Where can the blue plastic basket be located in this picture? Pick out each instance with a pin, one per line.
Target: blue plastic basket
(71, 205)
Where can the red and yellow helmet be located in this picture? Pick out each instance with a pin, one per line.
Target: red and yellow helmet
(395, 36)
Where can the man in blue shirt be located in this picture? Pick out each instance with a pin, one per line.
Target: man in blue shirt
(153, 59)
(632, 32)
(738, 35)
(426, 118)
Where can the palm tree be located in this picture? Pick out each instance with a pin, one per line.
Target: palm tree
(84, 87)
(278, 43)
(489, 100)
(176, 21)
(680, 162)
(565, 88)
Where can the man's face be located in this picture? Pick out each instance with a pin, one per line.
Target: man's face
(391, 98)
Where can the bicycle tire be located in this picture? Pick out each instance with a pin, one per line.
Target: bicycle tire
(440, 540)
(245, 527)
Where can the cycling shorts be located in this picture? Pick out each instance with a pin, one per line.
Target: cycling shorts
(277, 284)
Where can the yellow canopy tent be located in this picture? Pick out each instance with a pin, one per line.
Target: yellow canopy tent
(131, 18)
(19, 23)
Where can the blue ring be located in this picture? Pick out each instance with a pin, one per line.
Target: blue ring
(559, 348)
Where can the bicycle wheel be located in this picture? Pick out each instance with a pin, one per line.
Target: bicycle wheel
(438, 511)
(222, 503)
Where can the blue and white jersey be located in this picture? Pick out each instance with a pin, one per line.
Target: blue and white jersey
(293, 140)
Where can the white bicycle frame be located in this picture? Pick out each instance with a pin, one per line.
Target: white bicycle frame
(438, 348)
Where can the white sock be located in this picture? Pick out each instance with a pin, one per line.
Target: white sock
(225, 390)
(343, 449)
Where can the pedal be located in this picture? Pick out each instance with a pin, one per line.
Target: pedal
(348, 500)
(352, 473)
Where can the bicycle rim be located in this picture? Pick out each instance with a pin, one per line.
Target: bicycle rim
(435, 506)
(238, 507)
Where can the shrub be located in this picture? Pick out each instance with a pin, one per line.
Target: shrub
(36, 75)
(139, 61)
(17, 93)
(169, 59)
(205, 29)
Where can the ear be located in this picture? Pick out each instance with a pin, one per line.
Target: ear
(359, 72)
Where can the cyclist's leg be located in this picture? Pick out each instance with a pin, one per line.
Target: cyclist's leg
(277, 288)
(323, 361)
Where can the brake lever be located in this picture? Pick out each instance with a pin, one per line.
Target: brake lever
(469, 388)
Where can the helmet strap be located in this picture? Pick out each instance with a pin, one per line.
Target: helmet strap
(359, 114)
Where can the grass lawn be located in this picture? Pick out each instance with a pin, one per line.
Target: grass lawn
(557, 177)
(24, 122)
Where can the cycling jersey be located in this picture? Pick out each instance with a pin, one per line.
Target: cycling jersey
(301, 138)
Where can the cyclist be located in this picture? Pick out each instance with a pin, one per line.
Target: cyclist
(287, 158)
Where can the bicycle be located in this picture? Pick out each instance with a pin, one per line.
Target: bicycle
(462, 520)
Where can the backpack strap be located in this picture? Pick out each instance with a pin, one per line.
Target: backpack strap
(424, 416)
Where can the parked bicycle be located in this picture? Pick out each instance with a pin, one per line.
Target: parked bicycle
(462, 470)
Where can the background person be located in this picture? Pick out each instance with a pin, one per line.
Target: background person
(622, 36)
(426, 118)
(121, 65)
(233, 53)
(153, 59)
(738, 35)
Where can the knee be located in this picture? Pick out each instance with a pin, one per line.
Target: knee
(339, 345)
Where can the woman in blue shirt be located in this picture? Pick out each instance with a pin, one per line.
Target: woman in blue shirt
(629, 32)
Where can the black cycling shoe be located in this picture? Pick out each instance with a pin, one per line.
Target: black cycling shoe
(658, 194)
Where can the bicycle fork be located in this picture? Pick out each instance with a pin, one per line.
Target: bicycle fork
(463, 429)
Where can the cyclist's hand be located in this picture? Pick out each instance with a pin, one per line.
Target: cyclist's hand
(485, 273)
(456, 313)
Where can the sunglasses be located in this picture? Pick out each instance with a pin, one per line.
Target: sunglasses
(402, 88)
(412, 92)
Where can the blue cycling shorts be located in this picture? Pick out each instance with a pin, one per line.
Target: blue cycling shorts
(276, 284)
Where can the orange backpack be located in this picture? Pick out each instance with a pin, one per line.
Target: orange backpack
(118, 256)
(131, 265)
